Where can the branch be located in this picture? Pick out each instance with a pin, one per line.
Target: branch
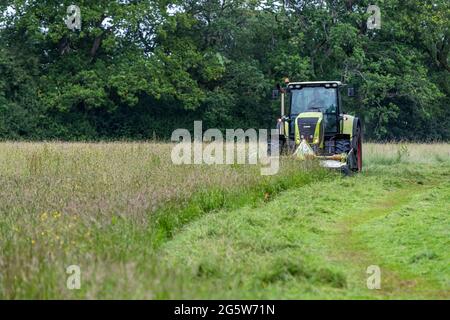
(98, 40)
(96, 45)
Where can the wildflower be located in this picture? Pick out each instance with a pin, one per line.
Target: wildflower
(33, 242)
(44, 216)
(56, 214)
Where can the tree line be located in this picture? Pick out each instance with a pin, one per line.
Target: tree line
(138, 69)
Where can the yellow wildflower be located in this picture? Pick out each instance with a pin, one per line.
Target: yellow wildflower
(44, 216)
(56, 214)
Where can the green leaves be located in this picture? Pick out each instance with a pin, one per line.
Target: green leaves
(219, 60)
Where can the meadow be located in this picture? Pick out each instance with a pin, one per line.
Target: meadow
(140, 227)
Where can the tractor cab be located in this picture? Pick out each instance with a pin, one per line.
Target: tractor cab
(314, 98)
(312, 123)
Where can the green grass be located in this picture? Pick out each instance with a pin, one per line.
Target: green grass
(317, 242)
(140, 227)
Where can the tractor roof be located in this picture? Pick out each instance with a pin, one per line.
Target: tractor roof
(318, 83)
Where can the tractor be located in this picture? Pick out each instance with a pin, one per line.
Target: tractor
(314, 126)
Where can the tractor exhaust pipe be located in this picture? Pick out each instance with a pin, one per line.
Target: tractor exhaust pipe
(282, 91)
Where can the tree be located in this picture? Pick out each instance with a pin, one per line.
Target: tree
(149, 66)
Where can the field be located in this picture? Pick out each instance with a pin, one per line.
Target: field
(140, 227)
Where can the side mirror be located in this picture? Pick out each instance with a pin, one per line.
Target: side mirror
(275, 94)
(351, 92)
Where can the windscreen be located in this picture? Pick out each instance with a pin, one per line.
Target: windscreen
(319, 99)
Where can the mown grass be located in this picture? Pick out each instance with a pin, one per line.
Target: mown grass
(140, 227)
(318, 240)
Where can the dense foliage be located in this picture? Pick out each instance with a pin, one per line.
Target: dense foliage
(141, 68)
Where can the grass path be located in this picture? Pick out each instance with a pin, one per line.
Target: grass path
(317, 241)
(348, 246)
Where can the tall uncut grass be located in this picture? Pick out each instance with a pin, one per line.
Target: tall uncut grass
(394, 153)
(109, 205)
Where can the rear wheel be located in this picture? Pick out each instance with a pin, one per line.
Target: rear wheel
(346, 171)
(357, 147)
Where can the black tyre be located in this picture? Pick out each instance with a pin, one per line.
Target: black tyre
(346, 171)
(274, 147)
(357, 147)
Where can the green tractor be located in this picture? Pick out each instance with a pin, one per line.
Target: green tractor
(314, 126)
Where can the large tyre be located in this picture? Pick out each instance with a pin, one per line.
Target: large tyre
(346, 171)
(274, 147)
(357, 147)
(283, 146)
(343, 146)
